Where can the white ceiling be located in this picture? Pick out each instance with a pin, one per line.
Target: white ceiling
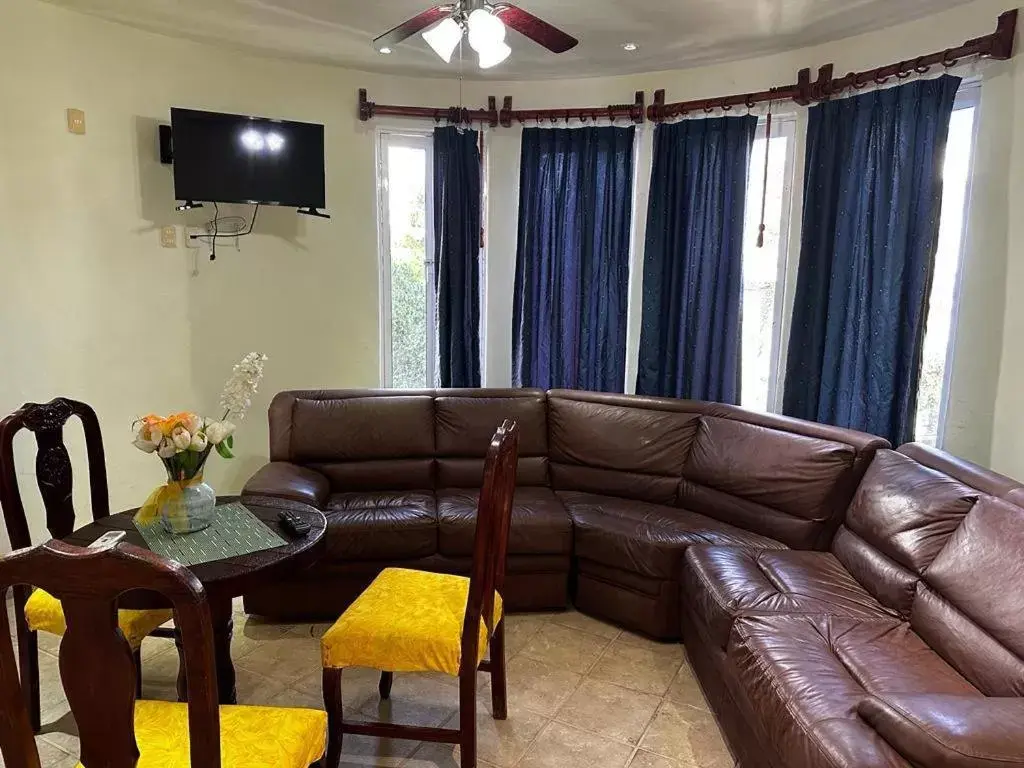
(672, 34)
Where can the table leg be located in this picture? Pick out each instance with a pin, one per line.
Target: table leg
(223, 627)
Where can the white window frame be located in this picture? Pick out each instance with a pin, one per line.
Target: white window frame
(967, 96)
(782, 126)
(387, 138)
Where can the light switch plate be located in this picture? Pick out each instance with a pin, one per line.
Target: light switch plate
(169, 237)
(76, 121)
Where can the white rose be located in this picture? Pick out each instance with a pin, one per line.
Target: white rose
(198, 443)
(167, 449)
(219, 430)
(181, 438)
(144, 445)
(193, 423)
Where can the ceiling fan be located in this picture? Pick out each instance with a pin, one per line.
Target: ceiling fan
(483, 23)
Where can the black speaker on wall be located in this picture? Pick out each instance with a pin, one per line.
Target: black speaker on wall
(166, 145)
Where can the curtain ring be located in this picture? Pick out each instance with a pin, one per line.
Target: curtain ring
(857, 84)
(903, 71)
(709, 108)
(750, 101)
(881, 80)
(725, 107)
(948, 61)
(919, 68)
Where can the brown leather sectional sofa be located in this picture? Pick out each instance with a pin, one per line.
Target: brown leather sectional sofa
(843, 604)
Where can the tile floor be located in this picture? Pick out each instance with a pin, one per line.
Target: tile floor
(582, 694)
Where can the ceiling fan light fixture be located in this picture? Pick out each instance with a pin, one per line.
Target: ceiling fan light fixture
(444, 38)
(493, 56)
(486, 31)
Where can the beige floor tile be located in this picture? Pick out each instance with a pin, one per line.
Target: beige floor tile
(54, 757)
(520, 629)
(416, 699)
(611, 710)
(686, 690)
(584, 623)
(253, 688)
(562, 746)
(499, 742)
(688, 735)
(565, 648)
(315, 630)
(52, 701)
(61, 733)
(642, 641)
(292, 697)
(538, 687)
(285, 658)
(358, 686)
(364, 751)
(249, 634)
(649, 669)
(440, 756)
(650, 760)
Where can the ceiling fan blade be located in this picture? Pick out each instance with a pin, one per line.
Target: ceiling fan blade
(407, 29)
(538, 30)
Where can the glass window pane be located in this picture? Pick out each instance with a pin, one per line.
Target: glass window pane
(938, 334)
(407, 174)
(761, 270)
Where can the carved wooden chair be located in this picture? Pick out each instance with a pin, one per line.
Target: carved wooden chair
(413, 621)
(98, 672)
(38, 611)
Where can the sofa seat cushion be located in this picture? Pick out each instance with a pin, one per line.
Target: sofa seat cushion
(540, 524)
(804, 676)
(381, 525)
(722, 583)
(644, 538)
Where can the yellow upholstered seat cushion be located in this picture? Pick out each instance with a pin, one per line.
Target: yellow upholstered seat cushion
(405, 621)
(250, 737)
(43, 613)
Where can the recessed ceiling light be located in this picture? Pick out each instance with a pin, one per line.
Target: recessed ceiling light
(629, 46)
(385, 50)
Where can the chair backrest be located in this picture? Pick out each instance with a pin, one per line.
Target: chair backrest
(490, 546)
(96, 665)
(53, 467)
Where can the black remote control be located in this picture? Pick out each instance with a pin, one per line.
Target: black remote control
(293, 523)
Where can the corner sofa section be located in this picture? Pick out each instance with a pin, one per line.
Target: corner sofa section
(612, 490)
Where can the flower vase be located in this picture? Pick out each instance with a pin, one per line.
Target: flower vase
(190, 509)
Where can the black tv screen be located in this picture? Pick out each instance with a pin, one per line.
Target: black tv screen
(237, 159)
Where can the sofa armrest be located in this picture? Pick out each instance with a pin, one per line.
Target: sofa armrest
(284, 480)
(943, 731)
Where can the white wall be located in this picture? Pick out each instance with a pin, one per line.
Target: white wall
(92, 307)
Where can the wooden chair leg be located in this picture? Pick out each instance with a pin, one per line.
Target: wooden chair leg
(386, 678)
(335, 727)
(499, 700)
(467, 718)
(137, 658)
(28, 657)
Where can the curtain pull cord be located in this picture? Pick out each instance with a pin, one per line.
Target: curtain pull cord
(764, 186)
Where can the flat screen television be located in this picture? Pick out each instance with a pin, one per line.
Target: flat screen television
(239, 159)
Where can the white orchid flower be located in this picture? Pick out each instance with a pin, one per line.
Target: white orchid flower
(240, 388)
(181, 438)
(218, 431)
(198, 443)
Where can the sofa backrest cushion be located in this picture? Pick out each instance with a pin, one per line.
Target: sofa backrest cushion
(777, 483)
(465, 422)
(359, 439)
(970, 601)
(617, 445)
(904, 512)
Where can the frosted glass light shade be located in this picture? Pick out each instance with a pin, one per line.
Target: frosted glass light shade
(444, 38)
(494, 55)
(486, 31)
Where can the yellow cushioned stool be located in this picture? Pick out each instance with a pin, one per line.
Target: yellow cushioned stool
(254, 737)
(405, 621)
(43, 613)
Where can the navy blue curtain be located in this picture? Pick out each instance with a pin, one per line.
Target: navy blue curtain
(572, 261)
(457, 256)
(693, 260)
(872, 199)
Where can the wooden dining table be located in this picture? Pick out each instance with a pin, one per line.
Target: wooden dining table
(227, 578)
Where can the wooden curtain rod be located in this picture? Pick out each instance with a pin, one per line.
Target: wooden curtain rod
(998, 46)
(462, 116)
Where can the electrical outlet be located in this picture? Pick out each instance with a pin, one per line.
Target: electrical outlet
(191, 235)
(169, 237)
(76, 121)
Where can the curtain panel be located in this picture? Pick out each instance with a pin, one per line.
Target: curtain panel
(572, 260)
(693, 260)
(872, 201)
(457, 199)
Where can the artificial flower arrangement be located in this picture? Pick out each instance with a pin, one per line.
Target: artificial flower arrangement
(184, 441)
